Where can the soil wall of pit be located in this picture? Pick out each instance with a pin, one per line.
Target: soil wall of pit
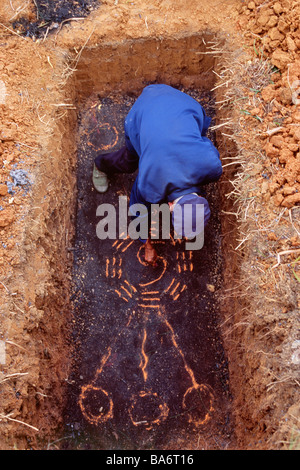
(35, 307)
(128, 66)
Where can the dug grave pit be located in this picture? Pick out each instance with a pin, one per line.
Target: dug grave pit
(112, 74)
(259, 332)
(149, 368)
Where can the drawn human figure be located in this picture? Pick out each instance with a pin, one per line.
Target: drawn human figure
(143, 386)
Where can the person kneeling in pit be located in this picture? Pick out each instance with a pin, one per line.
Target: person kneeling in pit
(165, 139)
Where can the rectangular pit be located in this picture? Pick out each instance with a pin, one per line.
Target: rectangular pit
(108, 71)
(124, 69)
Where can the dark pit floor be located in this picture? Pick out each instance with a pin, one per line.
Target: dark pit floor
(149, 368)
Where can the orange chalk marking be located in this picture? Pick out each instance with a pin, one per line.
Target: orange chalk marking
(127, 291)
(151, 299)
(159, 277)
(121, 296)
(128, 245)
(204, 390)
(151, 292)
(145, 357)
(86, 389)
(149, 423)
(172, 282)
(130, 285)
(175, 288)
(102, 417)
(107, 127)
(148, 306)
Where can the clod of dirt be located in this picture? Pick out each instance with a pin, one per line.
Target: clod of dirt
(3, 190)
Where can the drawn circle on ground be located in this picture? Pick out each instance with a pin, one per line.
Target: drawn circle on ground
(148, 409)
(198, 403)
(162, 263)
(98, 135)
(95, 404)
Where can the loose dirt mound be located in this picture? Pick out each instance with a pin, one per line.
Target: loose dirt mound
(273, 30)
(259, 117)
(266, 191)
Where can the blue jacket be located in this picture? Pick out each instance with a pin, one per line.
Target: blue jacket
(167, 129)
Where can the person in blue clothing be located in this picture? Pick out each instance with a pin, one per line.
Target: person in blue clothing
(165, 139)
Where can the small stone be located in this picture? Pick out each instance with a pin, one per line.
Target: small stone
(272, 236)
(296, 116)
(296, 134)
(283, 26)
(210, 287)
(273, 187)
(295, 241)
(264, 17)
(280, 59)
(291, 200)
(293, 147)
(271, 151)
(278, 198)
(20, 177)
(272, 21)
(268, 93)
(277, 141)
(286, 95)
(288, 190)
(275, 35)
(264, 187)
(277, 8)
(285, 155)
(7, 135)
(3, 190)
(291, 44)
(6, 217)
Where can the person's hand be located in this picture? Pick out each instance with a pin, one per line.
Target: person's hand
(171, 206)
(150, 253)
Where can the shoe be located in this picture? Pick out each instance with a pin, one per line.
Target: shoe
(100, 180)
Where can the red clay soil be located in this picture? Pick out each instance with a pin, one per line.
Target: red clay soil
(252, 59)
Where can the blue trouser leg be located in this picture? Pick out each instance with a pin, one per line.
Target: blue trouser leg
(124, 160)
